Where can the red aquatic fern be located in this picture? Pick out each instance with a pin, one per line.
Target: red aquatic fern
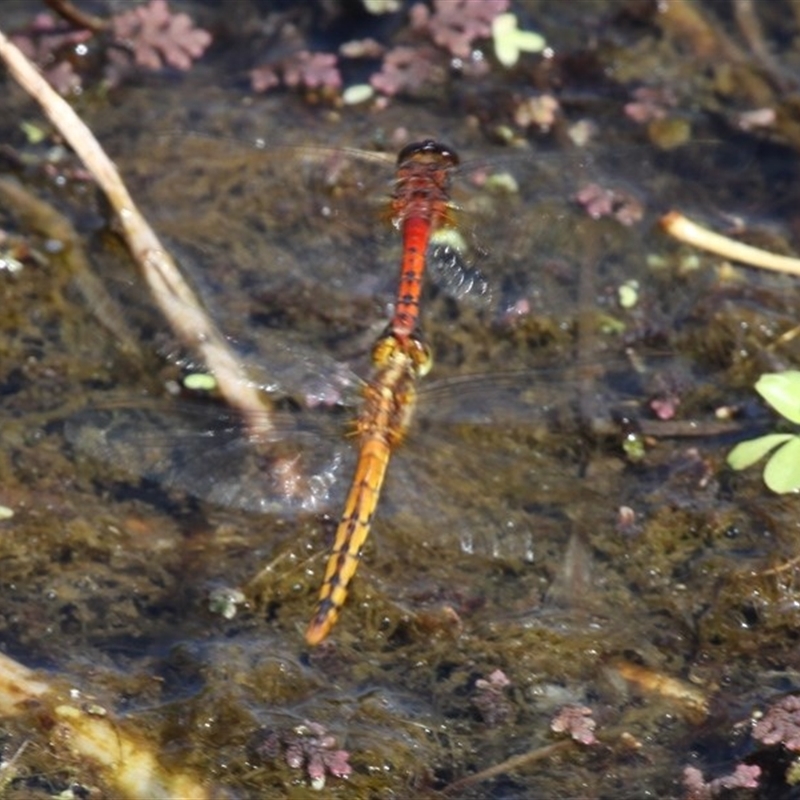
(313, 747)
(307, 746)
(406, 69)
(45, 36)
(264, 78)
(305, 69)
(781, 724)
(745, 776)
(455, 24)
(157, 37)
(577, 722)
(650, 103)
(602, 202)
(46, 42)
(490, 699)
(313, 70)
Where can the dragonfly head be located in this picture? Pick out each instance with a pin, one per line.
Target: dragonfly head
(428, 151)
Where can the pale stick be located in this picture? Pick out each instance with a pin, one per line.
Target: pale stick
(683, 229)
(177, 301)
(84, 730)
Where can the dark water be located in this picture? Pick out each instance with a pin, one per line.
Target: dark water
(501, 543)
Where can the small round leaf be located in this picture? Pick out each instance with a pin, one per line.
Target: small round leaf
(782, 391)
(745, 454)
(782, 473)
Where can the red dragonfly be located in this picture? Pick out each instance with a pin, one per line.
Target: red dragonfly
(279, 250)
(419, 207)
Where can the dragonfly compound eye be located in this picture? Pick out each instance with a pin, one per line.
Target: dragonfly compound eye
(429, 151)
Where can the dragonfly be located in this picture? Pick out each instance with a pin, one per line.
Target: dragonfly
(419, 206)
(310, 248)
(389, 401)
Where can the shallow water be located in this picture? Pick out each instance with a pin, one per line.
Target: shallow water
(501, 544)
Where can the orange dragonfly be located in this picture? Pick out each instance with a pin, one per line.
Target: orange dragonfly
(389, 401)
(263, 255)
(419, 206)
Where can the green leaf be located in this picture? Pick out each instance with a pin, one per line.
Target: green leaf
(509, 41)
(782, 391)
(745, 454)
(200, 382)
(782, 473)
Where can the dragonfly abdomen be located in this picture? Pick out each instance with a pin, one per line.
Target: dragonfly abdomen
(351, 535)
(388, 406)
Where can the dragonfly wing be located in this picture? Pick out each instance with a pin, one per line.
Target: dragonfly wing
(487, 494)
(265, 217)
(559, 397)
(206, 454)
(286, 249)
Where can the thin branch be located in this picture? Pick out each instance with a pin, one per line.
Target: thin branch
(683, 229)
(744, 12)
(39, 216)
(790, 564)
(515, 762)
(177, 301)
(76, 17)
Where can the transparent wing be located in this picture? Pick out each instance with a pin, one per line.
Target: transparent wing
(289, 250)
(306, 462)
(205, 452)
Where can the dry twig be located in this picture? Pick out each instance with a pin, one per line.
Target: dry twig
(76, 17)
(513, 763)
(177, 301)
(683, 229)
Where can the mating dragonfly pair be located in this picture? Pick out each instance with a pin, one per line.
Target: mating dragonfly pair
(419, 206)
(331, 255)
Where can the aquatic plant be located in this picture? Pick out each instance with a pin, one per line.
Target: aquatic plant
(600, 201)
(509, 41)
(301, 69)
(149, 36)
(157, 37)
(42, 40)
(455, 24)
(491, 700)
(438, 39)
(577, 721)
(781, 724)
(308, 746)
(540, 111)
(782, 472)
(745, 776)
(407, 69)
(650, 103)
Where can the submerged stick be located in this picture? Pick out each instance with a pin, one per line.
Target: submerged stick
(177, 301)
(683, 229)
(515, 762)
